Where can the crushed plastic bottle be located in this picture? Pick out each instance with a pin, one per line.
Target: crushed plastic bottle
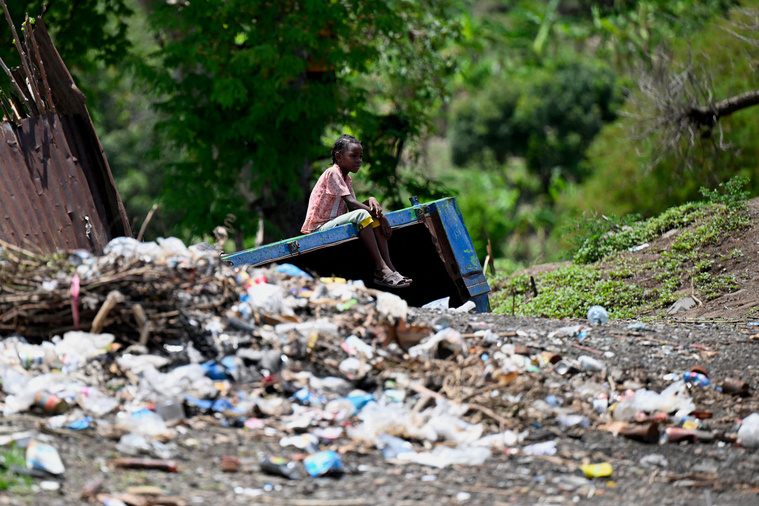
(696, 378)
(597, 315)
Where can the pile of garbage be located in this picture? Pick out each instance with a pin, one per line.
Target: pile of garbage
(173, 334)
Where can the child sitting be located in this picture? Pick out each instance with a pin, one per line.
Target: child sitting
(333, 197)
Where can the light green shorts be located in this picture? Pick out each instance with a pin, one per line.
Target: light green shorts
(360, 219)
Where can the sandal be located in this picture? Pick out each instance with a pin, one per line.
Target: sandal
(393, 280)
(406, 279)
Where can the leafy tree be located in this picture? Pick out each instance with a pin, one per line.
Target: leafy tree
(253, 91)
(654, 157)
(549, 120)
(84, 31)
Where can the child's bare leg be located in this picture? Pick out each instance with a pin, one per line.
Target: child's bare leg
(382, 269)
(379, 237)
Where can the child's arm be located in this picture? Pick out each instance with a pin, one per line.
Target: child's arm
(371, 204)
(375, 209)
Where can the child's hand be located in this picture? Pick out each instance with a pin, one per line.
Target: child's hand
(375, 209)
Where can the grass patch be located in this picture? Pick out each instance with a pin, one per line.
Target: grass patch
(10, 481)
(603, 273)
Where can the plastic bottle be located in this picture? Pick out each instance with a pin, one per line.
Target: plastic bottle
(597, 315)
(330, 384)
(696, 378)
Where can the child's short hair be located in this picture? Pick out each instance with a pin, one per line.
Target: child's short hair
(342, 143)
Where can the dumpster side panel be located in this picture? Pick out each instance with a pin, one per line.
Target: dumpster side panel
(460, 250)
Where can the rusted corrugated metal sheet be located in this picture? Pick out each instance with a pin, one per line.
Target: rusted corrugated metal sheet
(57, 189)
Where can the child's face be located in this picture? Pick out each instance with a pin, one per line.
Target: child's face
(350, 159)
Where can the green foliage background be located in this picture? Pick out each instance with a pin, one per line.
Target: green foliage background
(223, 113)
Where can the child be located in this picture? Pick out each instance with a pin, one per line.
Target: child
(333, 203)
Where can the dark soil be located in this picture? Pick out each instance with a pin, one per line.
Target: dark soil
(719, 472)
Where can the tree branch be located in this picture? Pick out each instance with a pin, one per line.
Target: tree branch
(710, 114)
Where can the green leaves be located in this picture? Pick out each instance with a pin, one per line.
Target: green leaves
(549, 118)
(250, 89)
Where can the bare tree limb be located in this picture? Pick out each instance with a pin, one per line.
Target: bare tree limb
(709, 115)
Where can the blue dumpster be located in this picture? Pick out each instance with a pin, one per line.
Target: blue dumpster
(430, 244)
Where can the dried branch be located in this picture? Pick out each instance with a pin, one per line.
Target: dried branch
(24, 62)
(8, 113)
(746, 20)
(16, 87)
(48, 91)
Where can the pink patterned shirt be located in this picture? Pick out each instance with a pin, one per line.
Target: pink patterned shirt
(326, 201)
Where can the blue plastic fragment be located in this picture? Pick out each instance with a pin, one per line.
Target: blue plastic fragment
(305, 397)
(222, 405)
(322, 463)
(229, 364)
(81, 424)
(292, 270)
(359, 401)
(214, 370)
(198, 403)
(141, 413)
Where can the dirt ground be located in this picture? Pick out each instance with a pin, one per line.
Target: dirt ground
(718, 336)
(717, 472)
(738, 256)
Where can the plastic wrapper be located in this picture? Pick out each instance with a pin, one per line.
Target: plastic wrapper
(748, 433)
(326, 462)
(444, 456)
(44, 456)
(391, 307)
